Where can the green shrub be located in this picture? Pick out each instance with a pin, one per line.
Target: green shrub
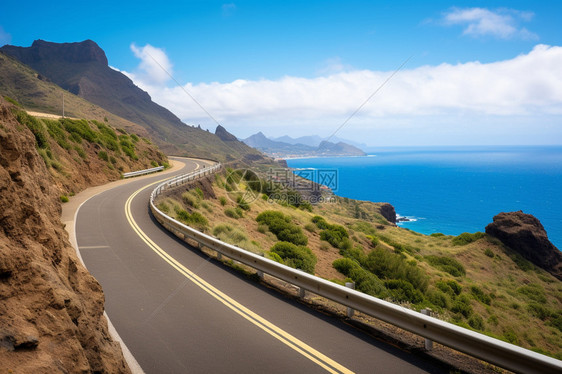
(57, 166)
(10, 100)
(450, 287)
(337, 236)
(467, 238)
(556, 322)
(164, 207)
(239, 211)
(447, 264)
(64, 199)
(199, 192)
(222, 200)
(75, 138)
(229, 234)
(56, 131)
(320, 222)
(230, 212)
(80, 151)
(510, 336)
(282, 227)
(297, 256)
(36, 127)
(488, 252)
(194, 219)
(242, 203)
(190, 199)
(437, 235)
(274, 256)
(402, 290)
(476, 322)
(533, 292)
(462, 306)
(479, 295)
(539, 311)
(103, 156)
(439, 298)
(387, 265)
(79, 128)
(134, 138)
(365, 281)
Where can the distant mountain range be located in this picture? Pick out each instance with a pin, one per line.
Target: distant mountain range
(315, 140)
(82, 69)
(307, 146)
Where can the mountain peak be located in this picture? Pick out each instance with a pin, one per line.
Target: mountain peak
(224, 135)
(41, 50)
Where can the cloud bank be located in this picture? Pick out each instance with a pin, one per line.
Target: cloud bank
(502, 23)
(429, 97)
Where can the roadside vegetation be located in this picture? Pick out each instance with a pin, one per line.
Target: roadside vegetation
(67, 144)
(471, 280)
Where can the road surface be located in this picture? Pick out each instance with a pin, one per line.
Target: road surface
(190, 314)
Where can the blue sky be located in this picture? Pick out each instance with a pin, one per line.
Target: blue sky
(302, 67)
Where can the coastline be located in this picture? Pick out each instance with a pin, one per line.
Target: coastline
(454, 190)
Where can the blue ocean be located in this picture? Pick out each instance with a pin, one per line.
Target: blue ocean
(454, 189)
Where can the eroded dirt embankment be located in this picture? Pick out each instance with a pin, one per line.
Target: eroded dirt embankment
(51, 308)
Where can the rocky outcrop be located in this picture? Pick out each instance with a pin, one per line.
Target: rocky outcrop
(388, 212)
(51, 309)
(224, 135)
(526, 235)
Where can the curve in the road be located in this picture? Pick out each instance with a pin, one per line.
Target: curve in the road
(273, 330)
(179, 311)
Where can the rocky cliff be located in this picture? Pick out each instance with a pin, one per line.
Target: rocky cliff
(526, 235)
(51, 309)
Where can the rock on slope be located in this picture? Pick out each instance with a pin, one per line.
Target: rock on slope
(51, 308)
(526, 235)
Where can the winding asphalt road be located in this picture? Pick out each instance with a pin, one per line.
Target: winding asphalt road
(172, 324)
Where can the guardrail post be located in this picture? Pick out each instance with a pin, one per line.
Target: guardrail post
(260, 273)
(428, 342)
(350, 311)
(302, 293)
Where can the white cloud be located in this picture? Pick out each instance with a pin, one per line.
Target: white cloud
(155, 66)
(502, 23)
(428, 97)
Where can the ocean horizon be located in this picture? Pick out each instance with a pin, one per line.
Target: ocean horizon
(452, 190)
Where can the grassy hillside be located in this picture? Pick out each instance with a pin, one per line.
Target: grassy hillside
(36, 93)
(82, 153)
(471, 280)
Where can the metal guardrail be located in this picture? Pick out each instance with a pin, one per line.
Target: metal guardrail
(142, 172)
(491, 350)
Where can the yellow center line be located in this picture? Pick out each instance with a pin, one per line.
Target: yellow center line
(299, 346)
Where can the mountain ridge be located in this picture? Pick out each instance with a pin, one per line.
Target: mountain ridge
(82, 69)
(280, 149)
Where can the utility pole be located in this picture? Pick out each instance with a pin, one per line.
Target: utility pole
(63, 105)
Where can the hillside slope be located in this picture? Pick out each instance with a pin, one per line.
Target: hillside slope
(82, 69)
(52, 308)
(37, 93)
